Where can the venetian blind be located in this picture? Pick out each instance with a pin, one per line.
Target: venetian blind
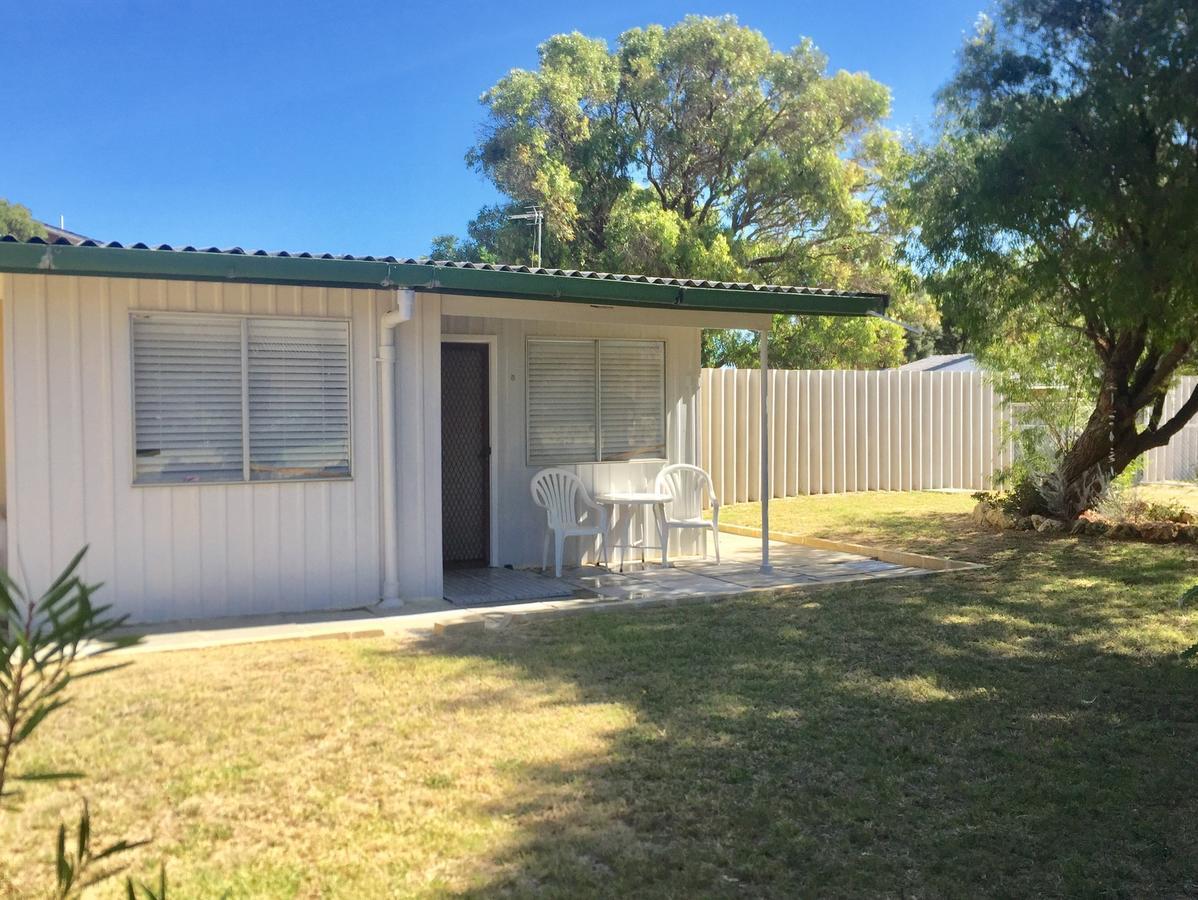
(631, 400)
(298, 398)
(562, 407)
(187, 397)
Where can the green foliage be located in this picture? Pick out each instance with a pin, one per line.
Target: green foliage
(41, 640)
(699, 151)
(452, 247)
(1014, 496)
(77, 866)
(684, 136)
(39, 645)
(16, 220)
(810, 342)
(135, 890)
(1057, 209)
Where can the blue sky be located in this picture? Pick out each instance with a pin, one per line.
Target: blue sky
(338, 127)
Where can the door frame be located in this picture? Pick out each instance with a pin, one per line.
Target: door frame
(492, 342)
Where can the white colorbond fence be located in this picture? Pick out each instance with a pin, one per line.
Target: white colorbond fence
(1178, 460)
(841, 431)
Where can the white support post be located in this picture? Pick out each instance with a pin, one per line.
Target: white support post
(763, 339)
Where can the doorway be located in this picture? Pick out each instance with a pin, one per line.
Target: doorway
(466, 453)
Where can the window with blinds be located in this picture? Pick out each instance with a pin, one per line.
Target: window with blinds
(563, 417)
(299, 398)
(187, 399)
(595, 400)
(225, 399)
(632, 400)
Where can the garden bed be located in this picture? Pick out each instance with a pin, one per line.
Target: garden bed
(1128, 518)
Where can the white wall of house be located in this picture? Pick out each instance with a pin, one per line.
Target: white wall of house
(172, 551)
(182, 551)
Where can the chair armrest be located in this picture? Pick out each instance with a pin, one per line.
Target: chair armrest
(587, 501)
(597, 507)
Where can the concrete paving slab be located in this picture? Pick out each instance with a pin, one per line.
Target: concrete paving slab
(777, 578)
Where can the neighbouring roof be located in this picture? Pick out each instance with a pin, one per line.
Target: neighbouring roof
(54, 235)
(64, 257)
(947, 362)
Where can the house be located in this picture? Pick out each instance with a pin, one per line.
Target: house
(946, 362)
(238, 432)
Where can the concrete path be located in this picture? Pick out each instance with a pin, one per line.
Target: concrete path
(687, 579)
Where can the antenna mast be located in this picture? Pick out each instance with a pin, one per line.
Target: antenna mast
(535, 215)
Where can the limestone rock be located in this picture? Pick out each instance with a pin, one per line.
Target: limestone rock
(999, 518)
(1045, 525)
(1158, 532)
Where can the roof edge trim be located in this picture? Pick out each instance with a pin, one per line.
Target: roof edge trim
(376, 274)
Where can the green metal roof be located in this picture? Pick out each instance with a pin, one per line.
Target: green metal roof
(114, 260)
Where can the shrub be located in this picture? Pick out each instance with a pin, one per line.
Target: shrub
(41, 642)
(1124, 506)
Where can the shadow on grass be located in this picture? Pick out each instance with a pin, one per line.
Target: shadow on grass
(1014, 732)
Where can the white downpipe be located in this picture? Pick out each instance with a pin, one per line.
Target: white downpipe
(763, 339)
(405, 305)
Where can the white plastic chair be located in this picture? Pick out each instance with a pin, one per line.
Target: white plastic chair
(687, 486)
(559, 493)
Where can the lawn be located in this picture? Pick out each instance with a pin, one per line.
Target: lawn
(927, 521)
(1022, 730)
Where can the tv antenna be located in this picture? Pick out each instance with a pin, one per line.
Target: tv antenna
(536, 215)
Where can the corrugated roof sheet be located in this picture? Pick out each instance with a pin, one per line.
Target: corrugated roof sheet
(490, 267)
(960, 362)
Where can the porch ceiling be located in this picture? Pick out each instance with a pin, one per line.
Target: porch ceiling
(475, 279)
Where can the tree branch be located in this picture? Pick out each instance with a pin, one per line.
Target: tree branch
(1158, 437)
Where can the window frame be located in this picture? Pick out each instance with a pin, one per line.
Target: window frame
(244, 319)
(597, 342)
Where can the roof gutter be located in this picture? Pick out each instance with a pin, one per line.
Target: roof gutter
(200, 265)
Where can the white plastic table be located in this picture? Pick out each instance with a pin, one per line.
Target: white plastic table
(629, 500)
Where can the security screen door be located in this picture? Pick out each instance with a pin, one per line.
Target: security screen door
(465, 454)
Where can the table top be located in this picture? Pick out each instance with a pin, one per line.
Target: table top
(632, 497)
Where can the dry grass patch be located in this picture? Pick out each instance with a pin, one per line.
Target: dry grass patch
(306, 769)
(1183, 493)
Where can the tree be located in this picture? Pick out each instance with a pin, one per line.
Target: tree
(696, 151)
(1066, 180)
(16, 220)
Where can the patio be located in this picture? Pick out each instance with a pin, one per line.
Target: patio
(738, 571)
(580, 588)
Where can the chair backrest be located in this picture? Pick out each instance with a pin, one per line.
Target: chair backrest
(556, 491)
(686, 484)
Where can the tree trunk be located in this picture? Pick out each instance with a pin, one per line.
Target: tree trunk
(1108, 444)
(1104, 449)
